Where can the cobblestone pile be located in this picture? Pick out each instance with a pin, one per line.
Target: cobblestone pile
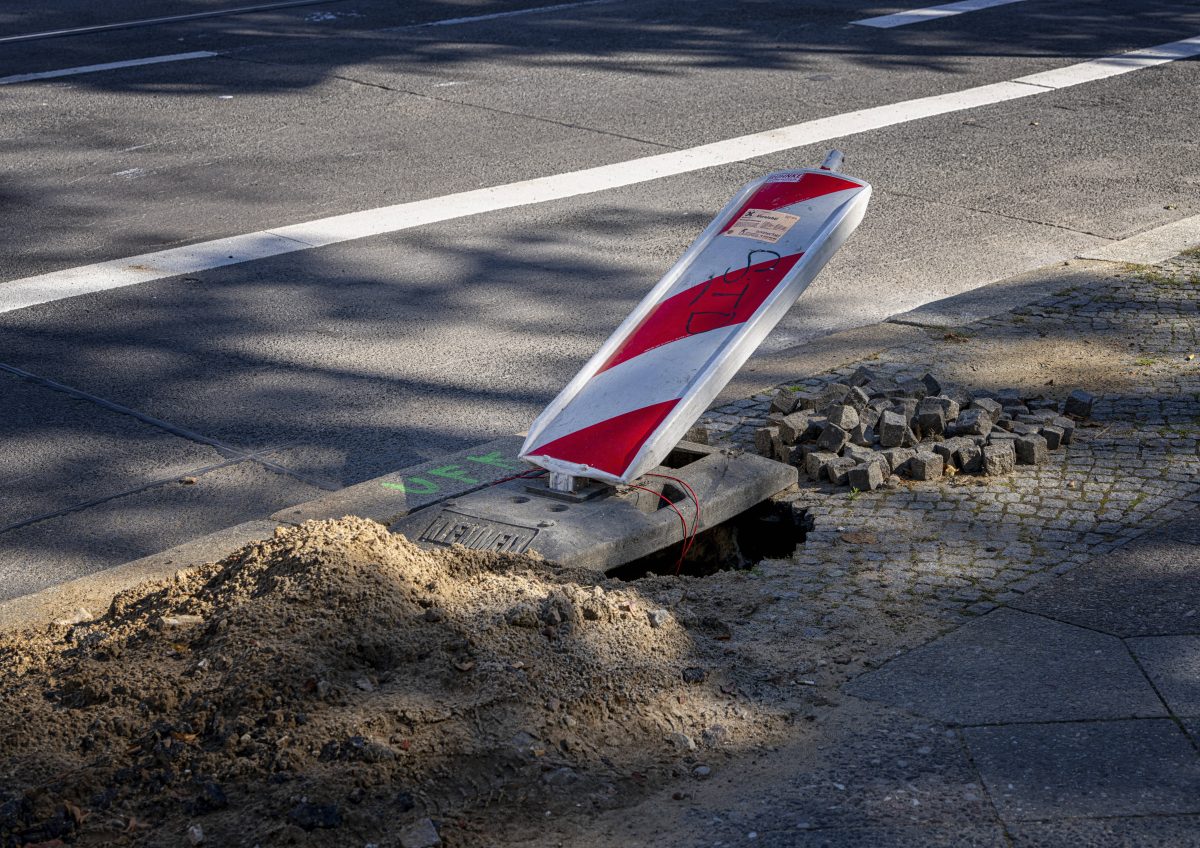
(872, 430)
(961, 545)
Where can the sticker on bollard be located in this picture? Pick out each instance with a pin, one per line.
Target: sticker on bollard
(635, 399)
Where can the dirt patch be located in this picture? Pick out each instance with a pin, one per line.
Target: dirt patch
(337, 685)
(1049, 365)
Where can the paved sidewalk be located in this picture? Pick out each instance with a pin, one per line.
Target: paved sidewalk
(1007, 661)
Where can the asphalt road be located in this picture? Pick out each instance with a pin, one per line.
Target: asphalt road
(269, 381)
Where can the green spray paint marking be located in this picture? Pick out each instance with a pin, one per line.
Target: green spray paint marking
(425, 486)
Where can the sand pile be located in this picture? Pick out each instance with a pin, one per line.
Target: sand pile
(336, 685)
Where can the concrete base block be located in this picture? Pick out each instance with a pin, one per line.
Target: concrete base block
(611, 530)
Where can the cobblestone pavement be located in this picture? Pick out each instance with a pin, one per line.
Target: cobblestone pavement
(1008, 662)
(963, 545)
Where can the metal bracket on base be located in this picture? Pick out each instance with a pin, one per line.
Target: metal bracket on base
(579, 490)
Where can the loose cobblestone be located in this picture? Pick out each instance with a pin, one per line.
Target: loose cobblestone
(959, 546)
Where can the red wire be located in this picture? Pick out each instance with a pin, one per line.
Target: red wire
(682, 520)
(695, 500)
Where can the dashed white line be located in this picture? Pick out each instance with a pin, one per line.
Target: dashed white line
(161, 264)
(107, 66)
(929, 13)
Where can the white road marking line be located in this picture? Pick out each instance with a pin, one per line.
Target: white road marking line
(116, 273)
(192, 16)
(1111, 66)
(494, 15)
(107, 66)
(929, 13)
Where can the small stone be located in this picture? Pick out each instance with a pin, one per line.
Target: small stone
(681, 741)
(1009, 397)
(947, 404)
(807, 401)
(973, 422)
(522, 615)
(969, 458)
(1041, 404)
(932, 386)
(833, 438)
(913, 389)
(931, 421)
(793, 427)
(658, 617)
(794, 454)
(433, 615)
(868, 476)
(862, 435)
(892, 429)
(838, 470)
(1079, 404)
(897, 458)
(999, 458)
(1053, 437)
(833, 393)
(843, 416)
(195, 834)
(784, 402)
(1031, 450)
(959, 395)
(763, 439)
(947, 448)
(1067, 426)
(925, 465)
(421, 834)
(863, 375)
(698, 434)
(858, 453)
(561, 777)
(815, 462)
(1001, 436)
(858, 398)
(312, 816)
(991, 408)
(694, 674)
(906, 408)
(364, 684)
(702, 772)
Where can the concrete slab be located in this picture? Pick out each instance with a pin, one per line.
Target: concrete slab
(1152, 246)
(618, 526)
(94, 592)
(1148, 587)
(1010, 666)
(1001, 296)
(60, 452)
(114, 532)
(1141, 832)
(1065, 770)
(1173, 664)
(871, 768)
(387, 498)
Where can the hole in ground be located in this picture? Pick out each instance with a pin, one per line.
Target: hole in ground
(770, 530)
